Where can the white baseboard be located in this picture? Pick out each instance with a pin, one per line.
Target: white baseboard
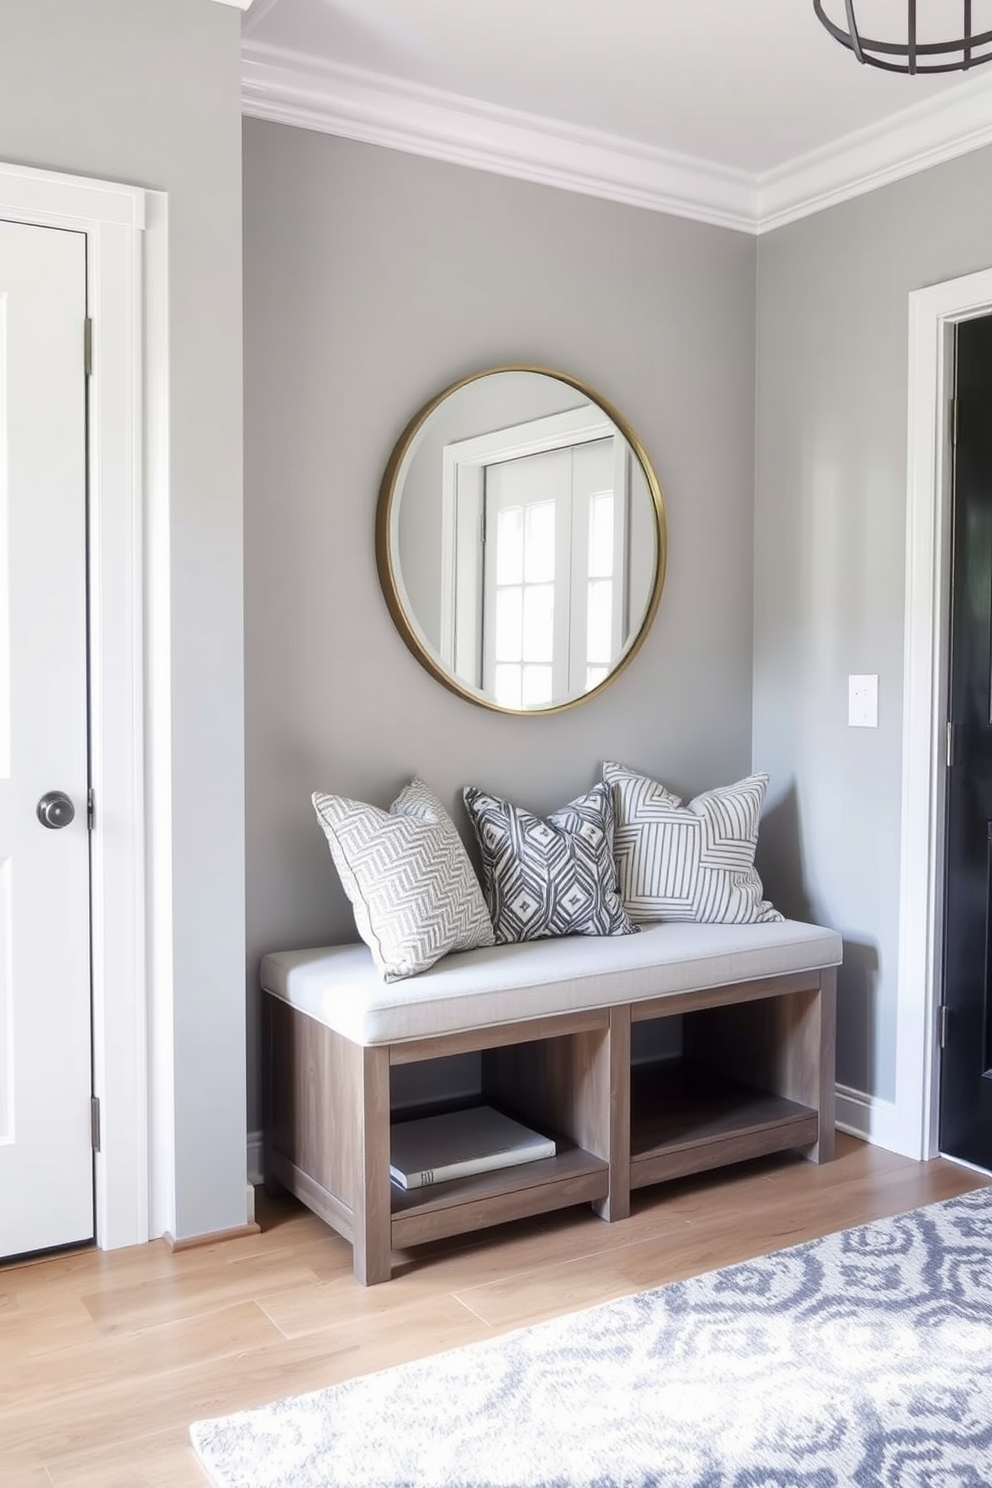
(255, 1174)
(871, 1119)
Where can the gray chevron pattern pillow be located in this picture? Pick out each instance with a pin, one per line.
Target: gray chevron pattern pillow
(411, 884)
(692, 862)
(553, 877)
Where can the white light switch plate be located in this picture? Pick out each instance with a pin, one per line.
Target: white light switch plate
(862, 701)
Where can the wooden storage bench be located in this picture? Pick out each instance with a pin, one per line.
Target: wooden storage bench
(552, 1021)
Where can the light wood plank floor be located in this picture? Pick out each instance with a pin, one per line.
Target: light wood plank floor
(105, 1359)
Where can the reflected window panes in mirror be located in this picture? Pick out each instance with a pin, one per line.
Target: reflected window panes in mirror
(509, 624)
(601, 621)
(506, 685)
(539, 623)
(521, 539)
(601, 535)
(539, 542)
(537, 691)
(510, 546)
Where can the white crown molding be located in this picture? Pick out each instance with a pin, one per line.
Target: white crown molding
(927, 134)
(290, 88)
(238, 4)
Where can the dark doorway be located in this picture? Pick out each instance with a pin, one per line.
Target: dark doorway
(966, 1035)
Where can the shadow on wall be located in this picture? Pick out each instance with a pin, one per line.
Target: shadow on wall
(779, 860)
(857, 986)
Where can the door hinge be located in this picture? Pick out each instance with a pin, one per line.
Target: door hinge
(95, 1122)
(88, 347)
(90, 810)
(950, 743)
(943, 1025)
(954, 420)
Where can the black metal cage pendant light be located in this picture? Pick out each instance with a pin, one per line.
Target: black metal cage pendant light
(912, 55)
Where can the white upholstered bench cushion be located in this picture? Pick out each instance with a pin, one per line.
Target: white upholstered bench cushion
(340, 987)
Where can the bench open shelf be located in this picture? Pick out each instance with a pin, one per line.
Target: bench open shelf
(572, 1176)
(685, 1119)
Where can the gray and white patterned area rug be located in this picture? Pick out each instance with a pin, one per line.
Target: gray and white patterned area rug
(863, 1359)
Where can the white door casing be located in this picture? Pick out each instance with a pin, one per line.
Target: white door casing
(911, 1126)
(46, 1163)
(125, 229)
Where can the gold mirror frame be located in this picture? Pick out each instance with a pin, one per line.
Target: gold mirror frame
(387, 563)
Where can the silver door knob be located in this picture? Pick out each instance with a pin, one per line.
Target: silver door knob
(55, 810)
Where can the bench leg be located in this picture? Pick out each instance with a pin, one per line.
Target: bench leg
(821, 1076)
(371, 1212)
(804, 1042)
(614, 1142)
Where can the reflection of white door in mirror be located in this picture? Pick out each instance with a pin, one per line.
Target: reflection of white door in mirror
(552, 602)
(535, 562)
(526, 543)
(559, 598)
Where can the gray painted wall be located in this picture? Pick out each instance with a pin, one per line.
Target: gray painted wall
(373, 279)
(829, 562)
(148, 92)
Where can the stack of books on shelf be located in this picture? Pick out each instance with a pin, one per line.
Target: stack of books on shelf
(437, 1149)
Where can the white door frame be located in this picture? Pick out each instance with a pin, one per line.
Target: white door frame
(933, 314)
(116, 221)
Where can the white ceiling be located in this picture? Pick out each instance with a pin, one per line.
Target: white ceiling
(751, 87)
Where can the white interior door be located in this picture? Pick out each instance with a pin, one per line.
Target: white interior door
(46, 1161)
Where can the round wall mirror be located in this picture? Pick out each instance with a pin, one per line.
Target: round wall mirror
(520, 540)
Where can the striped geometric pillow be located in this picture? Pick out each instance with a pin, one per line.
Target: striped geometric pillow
(692, 862)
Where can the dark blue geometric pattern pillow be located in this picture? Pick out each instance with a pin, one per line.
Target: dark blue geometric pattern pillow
(553, 877)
